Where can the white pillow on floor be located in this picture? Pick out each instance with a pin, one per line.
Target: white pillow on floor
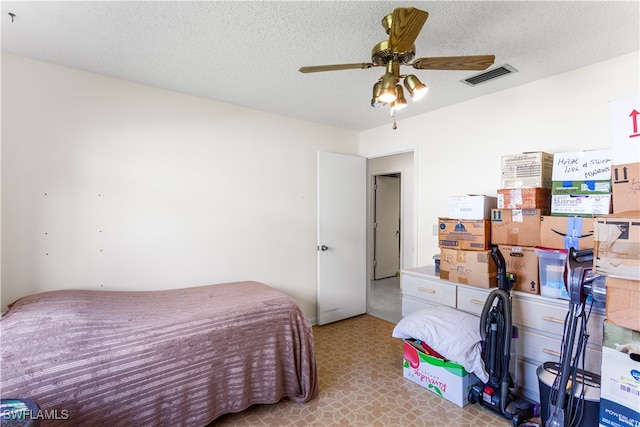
(452, 333)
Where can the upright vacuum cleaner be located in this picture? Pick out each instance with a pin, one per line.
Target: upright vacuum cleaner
(496, 330)
(568, 394)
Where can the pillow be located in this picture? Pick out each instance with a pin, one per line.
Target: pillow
(452, 333)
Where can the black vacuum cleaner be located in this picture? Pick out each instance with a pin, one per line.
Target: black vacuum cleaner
(496, 330)
(573, 397)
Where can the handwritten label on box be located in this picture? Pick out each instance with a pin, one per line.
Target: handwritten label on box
(582, 165)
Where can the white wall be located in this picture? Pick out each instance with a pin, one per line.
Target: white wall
(113, 185)
(458, 148)
(108, 184)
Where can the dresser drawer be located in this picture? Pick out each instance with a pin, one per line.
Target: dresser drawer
(538, 348)
(432, 291)
(551, 318)
(410, 304)
(471, 300)
(537, 315)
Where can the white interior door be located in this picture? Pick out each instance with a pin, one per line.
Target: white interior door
(386, 231)
(342, 213)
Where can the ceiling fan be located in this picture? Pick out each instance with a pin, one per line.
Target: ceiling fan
(403, 27)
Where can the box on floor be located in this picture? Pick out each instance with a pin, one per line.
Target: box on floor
(620, 378)
(475, 268)
(519, 227)
(444, 378)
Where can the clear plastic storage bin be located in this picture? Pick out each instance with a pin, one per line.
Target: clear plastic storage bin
(551, 263)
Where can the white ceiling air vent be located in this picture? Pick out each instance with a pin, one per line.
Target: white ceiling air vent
(502, 71)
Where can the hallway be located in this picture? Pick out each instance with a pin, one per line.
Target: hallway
(386, 299)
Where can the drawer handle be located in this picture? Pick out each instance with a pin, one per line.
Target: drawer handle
(553, 319)
(551, 352)
(431, 291)
(476, 301)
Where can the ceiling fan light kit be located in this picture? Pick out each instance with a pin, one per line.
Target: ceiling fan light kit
(375, 99)
(403, 27)
(417, 89)
(389, 79)
(400, 102)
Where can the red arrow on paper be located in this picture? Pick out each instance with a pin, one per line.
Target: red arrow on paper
(634, 116)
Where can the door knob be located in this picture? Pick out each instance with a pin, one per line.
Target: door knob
(324, 248)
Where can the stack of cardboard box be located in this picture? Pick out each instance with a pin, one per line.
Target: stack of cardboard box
(617, 255)
(581, 184)
(524, 197)
(548, 204)
(580, 191)
(625, 144)
(617, 236)
(464, 239)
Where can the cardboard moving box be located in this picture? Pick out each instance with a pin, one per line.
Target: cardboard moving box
(625, 187)
(518, 227)
(471, 206)
(523, 262)
(524, 198)
(620, 378)
(580, 204)
(581, 187)
(623, 302)
(442, 377)
(582, 165)
(625, 137)
(564, 232)
(469, 234)
(527, 170)
(474, 268)
(617, 245)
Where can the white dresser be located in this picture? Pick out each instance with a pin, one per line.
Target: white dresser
(540, 321)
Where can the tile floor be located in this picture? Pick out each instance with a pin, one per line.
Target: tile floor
(385, 299)
(361, 385)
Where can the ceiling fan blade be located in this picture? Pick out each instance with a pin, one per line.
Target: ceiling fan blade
(474, 62)
(406, 24)
(336, 67)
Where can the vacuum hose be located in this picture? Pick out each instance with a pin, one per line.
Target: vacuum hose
(504, 307)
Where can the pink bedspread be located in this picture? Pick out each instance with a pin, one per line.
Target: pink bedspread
(179, 357)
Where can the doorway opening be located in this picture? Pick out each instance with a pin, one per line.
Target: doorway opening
(386, 226)
(390, 232)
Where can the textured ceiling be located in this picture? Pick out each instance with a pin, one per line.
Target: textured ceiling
(248, 52)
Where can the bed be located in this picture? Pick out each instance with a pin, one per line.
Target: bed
(180, 357)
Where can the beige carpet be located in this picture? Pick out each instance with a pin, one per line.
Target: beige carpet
(361, 384)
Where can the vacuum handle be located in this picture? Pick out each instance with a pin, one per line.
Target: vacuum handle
(498, 259)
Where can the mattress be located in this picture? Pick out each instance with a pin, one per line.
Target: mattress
(179, 357)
